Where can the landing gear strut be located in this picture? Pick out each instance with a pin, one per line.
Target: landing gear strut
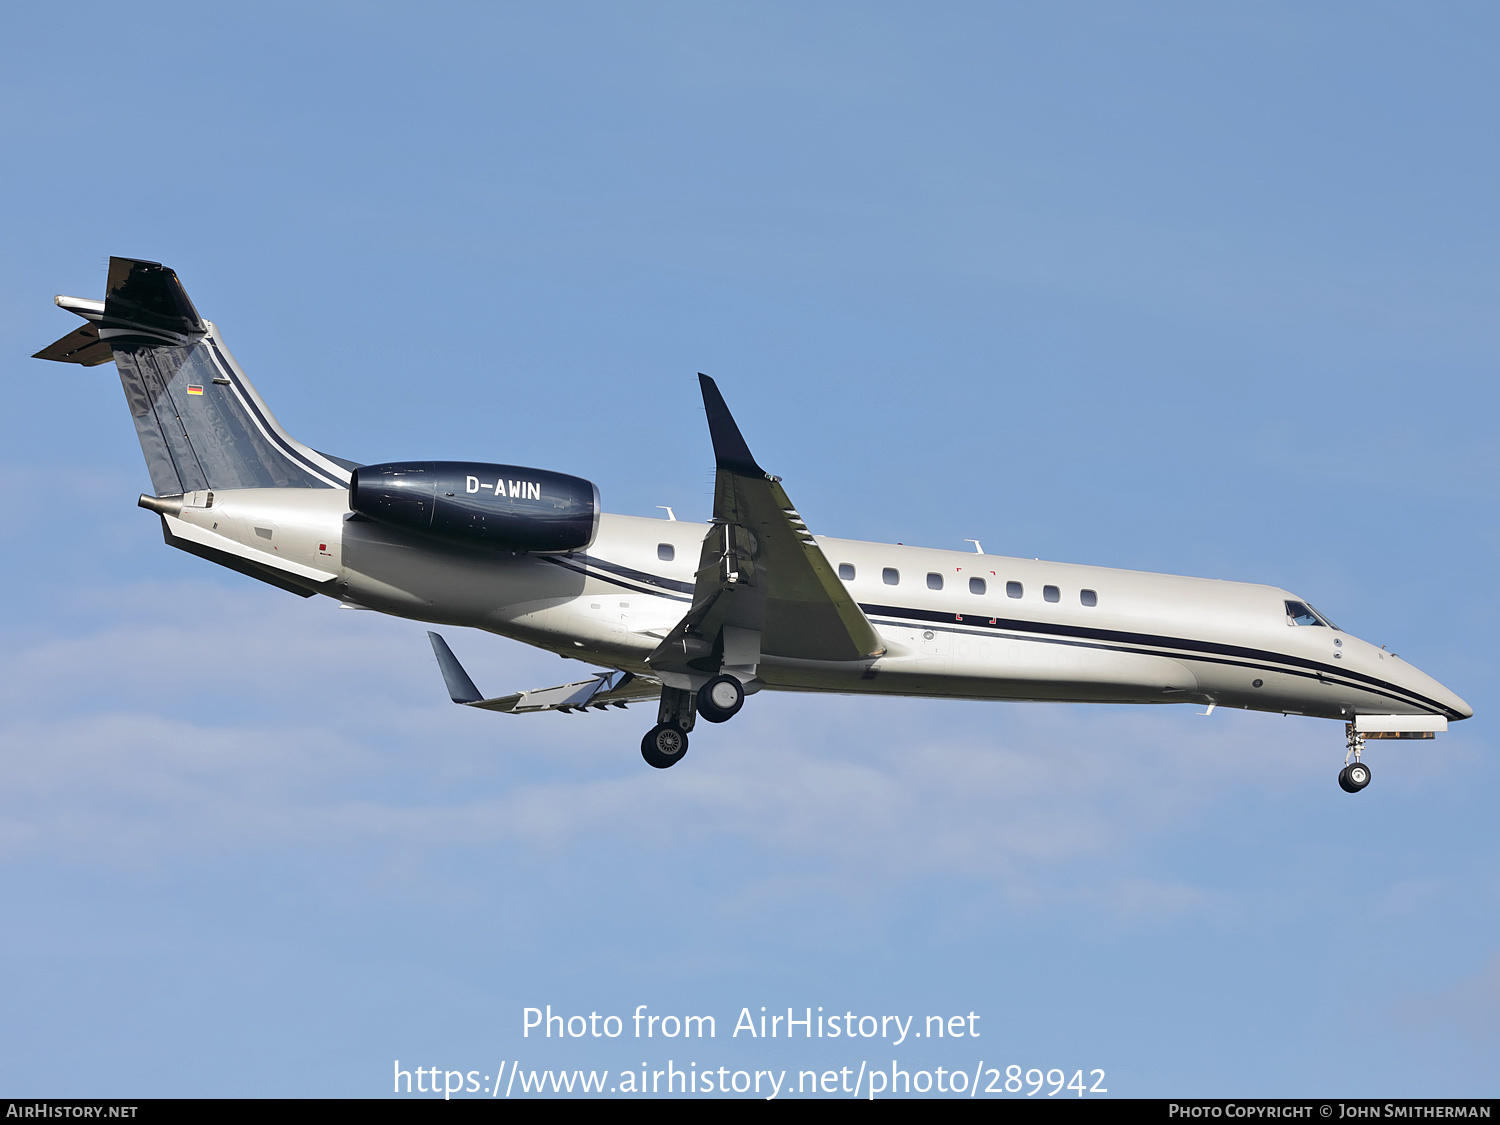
(666, 743)
(1355, 775)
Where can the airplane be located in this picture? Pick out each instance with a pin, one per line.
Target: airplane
(697, 617)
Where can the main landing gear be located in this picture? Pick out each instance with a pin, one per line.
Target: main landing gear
(664, 745)
(720, 699)
(1355, 775)
(717, 701)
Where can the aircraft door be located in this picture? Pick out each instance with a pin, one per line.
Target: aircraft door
(934, 647)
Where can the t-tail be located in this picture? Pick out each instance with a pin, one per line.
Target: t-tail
(201, 423)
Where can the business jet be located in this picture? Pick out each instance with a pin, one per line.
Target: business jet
(697, 617)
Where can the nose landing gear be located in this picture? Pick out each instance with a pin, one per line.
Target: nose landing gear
(1355, 775)
(1354, 778)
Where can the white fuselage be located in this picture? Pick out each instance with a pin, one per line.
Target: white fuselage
(1030, 634)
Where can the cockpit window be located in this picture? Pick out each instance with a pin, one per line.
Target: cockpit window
(1323, 617)
(1301, 613)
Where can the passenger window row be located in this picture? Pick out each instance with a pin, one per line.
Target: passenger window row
(892, 577)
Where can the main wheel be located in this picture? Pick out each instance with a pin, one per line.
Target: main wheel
(1354, 778)
(720, 699)
(664, 745)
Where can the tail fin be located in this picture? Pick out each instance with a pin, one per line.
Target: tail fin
(200, 422)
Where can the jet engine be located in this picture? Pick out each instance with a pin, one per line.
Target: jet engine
(505, 506)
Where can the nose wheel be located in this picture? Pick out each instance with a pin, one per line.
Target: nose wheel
(1355, 775)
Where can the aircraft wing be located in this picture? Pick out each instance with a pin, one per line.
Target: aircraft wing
(598, 691)
(763, 585)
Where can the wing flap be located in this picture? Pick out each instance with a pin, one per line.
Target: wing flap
(599, 691)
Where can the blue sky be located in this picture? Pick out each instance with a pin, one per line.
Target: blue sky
(1175, 287)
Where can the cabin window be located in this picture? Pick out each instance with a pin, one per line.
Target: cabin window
(846, 572)
(1013, 590)
(976, 585)
(666, 552)
(1088, 597)
(934, 581)
(1051, 594)
(890, 576)
(1301, 613)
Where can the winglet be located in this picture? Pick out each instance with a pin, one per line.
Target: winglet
(461, 689)
(730, 451)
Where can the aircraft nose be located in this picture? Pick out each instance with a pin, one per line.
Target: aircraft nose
(1456, 707)
(1463, 710)
(1431, 693)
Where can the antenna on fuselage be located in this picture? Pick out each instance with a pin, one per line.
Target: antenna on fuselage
(671, 515)
(978, 550)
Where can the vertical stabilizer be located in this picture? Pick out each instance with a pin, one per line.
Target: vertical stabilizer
(200, 422)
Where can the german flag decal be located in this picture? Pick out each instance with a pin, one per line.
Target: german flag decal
(194, 389)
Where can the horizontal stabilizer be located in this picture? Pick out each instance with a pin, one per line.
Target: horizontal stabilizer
(82, 346)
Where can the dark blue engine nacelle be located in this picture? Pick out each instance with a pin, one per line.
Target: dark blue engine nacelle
(504, 506)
